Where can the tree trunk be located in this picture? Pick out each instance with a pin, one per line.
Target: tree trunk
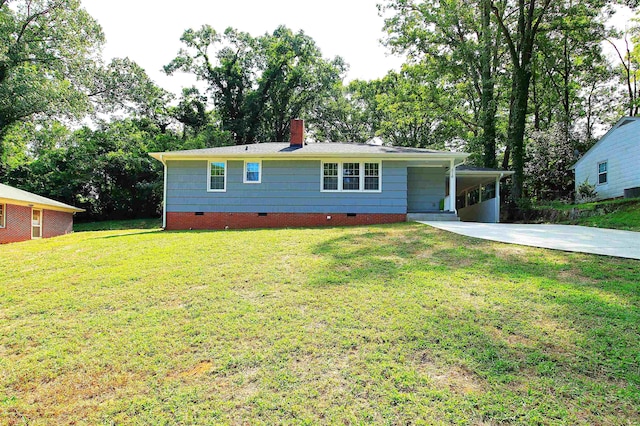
(517, 122)
(488, 104)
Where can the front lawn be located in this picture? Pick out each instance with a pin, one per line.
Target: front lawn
(389, 324)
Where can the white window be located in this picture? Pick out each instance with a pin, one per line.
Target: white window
(2, 215)
(371, 176)
(252, 172)
(351, 176)
(217, 176)
(330, 176)
(602, 173)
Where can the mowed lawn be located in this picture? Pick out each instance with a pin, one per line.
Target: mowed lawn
(393, 324)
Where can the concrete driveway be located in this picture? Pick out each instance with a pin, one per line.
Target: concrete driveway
(608, 242)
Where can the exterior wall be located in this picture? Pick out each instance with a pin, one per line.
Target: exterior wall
(56, 223)
(184, 220)
(621, 150)
(485, 212)
(288, 186)
(17, 224)
(425, 188)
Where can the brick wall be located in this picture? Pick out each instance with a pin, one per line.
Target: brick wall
(176, 221)
(18, 224)
(56, 223)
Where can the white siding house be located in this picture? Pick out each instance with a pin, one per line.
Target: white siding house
(613, 163)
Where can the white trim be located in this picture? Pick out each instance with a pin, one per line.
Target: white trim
(458, 157)
(3, 218)
(497, 199)
(244, 171)
(361, 176)
(209, 175)
(41, 225)
(453, 192)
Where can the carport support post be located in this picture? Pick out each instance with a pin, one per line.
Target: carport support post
(497, 199)
(452, 187)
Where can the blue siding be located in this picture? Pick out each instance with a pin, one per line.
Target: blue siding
(426, 187)
(287, 187)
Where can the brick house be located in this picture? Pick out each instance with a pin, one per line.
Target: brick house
(25, 216)
(281, 184)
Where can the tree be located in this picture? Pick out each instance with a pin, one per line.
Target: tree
(191, 111)
(548, 166)
(106, 171)
(47, 48)
(629, 67)
(258, 84)
(459, 41)
(344, 116)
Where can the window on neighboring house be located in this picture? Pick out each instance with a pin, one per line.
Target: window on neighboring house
(252, 172)
(217, 176)
(602, 173)
(2, 215)
(351, 176)
(330, 177)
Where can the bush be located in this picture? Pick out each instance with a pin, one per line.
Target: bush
(586, 192)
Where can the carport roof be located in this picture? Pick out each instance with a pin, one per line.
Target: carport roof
(472, 176)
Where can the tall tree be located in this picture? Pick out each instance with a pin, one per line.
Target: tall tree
(520, 37)
(459, 38)
(47, 48)
(258, 84)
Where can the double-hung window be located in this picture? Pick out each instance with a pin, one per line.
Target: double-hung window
(217, 176)
(330, 176)
(2, 215)
(371, 176)
(252, 171)
(351, 176)
(603, 169)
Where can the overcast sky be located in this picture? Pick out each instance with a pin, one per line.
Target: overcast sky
(148, 32)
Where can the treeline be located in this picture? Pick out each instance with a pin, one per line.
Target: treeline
(525, 86)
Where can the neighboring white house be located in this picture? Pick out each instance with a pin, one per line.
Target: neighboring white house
(613, 163)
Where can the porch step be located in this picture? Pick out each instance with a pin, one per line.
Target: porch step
(433, 217)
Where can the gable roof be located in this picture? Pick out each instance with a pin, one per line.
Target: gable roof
(11, 195)
(309, 150)
(624, 121)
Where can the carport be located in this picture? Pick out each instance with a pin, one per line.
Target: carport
(478, 193)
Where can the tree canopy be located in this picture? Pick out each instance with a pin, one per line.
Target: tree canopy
(258, 84)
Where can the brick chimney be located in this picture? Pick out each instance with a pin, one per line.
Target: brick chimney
(297, 133)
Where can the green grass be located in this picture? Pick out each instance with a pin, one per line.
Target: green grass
(389, 324)
(616, 214)
(111, 225)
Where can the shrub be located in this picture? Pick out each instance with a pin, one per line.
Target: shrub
(586, 192)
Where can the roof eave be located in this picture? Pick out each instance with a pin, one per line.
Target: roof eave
(484, 172)
(291, 155)
(69, 209)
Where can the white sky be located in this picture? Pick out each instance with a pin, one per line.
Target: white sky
(148, 31)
